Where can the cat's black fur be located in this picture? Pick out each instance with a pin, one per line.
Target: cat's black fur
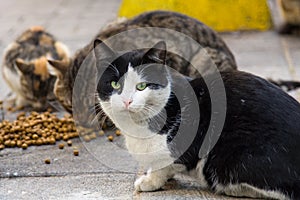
(261, 131)
(259, 143)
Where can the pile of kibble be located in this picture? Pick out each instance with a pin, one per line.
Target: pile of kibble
(36, 129)
(44, 129)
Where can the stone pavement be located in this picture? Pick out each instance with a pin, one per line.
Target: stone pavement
(95, 173)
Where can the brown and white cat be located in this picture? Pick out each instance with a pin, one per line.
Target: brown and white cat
(26, 70)
(212, 44)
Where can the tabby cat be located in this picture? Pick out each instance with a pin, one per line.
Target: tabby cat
(257, 153)
(211, 42)
(26, 69)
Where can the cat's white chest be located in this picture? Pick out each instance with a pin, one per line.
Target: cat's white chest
(150, 152)
(139, 145)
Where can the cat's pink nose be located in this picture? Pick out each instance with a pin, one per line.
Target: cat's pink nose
(127, 102)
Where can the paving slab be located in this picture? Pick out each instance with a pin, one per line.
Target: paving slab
(181, 188)
(71, 187)
(260, 53)
(31, 162)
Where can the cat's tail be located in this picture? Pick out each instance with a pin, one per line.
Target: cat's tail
(286, 85)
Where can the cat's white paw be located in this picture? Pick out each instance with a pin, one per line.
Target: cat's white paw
(147, 183)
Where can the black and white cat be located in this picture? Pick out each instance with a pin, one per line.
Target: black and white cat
(257, 154)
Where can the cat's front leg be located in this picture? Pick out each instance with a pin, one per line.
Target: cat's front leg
(154, 180)
(16, 103)
(151, 181)
(20, 102)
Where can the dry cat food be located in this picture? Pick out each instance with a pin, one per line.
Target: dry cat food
(110, 138)
(61, 146)
(118, 132)
(69, 142)
(47, 161)
(76, 152)
(36, 129)
(101, 133)
(89, 134)
(43, 129)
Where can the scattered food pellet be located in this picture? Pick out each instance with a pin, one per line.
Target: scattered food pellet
(47, 161)
(118, 132)
(61, 146)
(69, 142)
(101, 133)
(75, 152)
(24, 146)
(2, 146)
(86, 138)
(93, 136)
(110, 138)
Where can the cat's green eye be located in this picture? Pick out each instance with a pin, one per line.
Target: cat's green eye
(115, 85)
(141, 86)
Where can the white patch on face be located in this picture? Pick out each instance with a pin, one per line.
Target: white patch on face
(125, 115)
(130, 93)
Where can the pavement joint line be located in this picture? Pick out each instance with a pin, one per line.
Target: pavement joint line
(58, 175)
(248, 67)
(289, 60)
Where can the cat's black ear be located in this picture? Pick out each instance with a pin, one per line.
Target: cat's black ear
(60, 66)
(24, 67)
(157, 53)
(101, 50)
